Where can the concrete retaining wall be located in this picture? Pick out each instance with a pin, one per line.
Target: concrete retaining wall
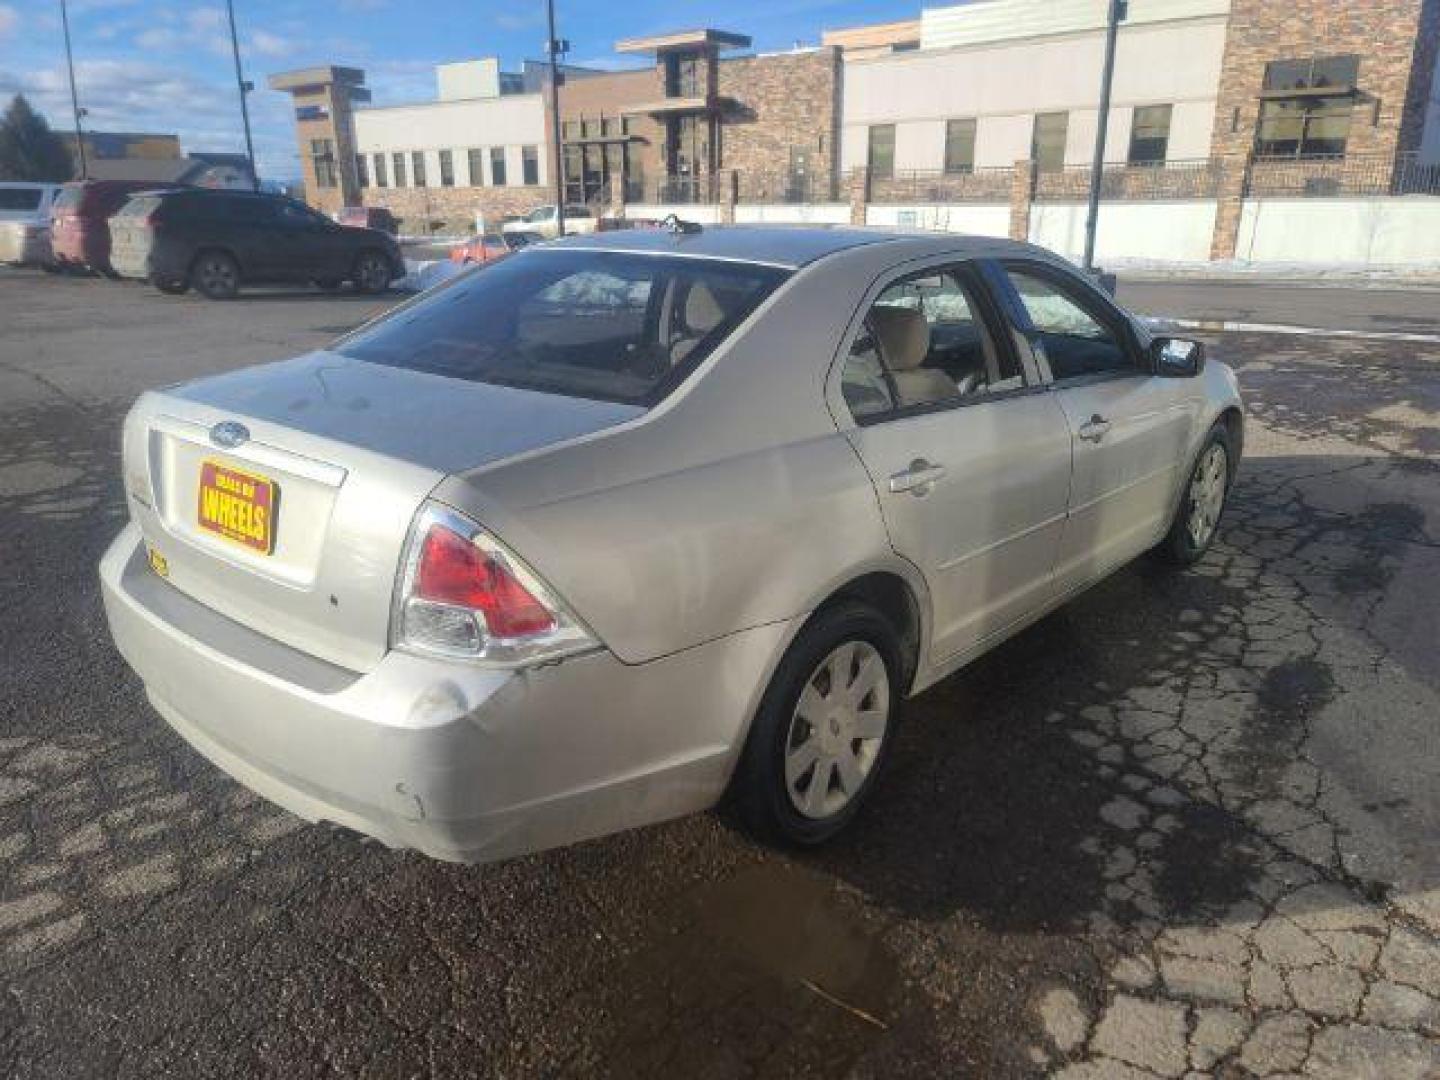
(1378, 232)
(1162, 231)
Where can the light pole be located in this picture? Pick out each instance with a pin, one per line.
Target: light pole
(1092, 218)
(74, 96)
(555, 47)
(245, 89)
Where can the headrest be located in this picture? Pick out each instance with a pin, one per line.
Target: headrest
(702, 312)
(903, 334)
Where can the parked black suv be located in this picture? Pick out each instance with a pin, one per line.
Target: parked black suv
(216, 241)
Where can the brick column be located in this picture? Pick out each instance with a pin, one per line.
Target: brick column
(1229, 203)
(729, 186)
(857, 189)
(1022, 194)
(617, 194)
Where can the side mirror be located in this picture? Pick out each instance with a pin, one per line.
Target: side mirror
(1177, 358)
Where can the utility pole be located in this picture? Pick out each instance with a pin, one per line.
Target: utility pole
(554, 47)
(74, 96)
(1092, 218)
(245, 89)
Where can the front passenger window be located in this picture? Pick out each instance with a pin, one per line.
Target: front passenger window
(1075, 341)
(924, 342)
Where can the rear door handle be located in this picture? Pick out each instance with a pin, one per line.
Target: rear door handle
(1094, 429)
(918, 478)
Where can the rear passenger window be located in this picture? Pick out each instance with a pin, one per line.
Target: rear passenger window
(924, 342)
(1077, 338)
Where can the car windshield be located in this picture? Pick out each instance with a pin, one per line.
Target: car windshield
(594, 324)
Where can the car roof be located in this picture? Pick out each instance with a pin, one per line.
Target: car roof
(786, 246)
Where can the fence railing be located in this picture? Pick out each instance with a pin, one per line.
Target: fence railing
(1351, 174)
(671, 190)
(936, 186)
(783, 187)
(1185, 179)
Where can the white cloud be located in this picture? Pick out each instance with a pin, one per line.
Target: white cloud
(9, 19)
(267, 44)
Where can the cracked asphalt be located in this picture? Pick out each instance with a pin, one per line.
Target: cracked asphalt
(1188, 825)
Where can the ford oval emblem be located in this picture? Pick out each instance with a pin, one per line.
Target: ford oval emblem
(229, 434)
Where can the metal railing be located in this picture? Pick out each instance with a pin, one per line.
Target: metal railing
(672, 190)
(1350, 174)
(783, 187)
(990, 184)
(1190, 179)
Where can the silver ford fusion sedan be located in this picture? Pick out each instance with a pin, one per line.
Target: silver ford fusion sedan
(597, 535)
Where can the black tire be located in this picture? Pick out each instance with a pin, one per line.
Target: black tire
(759, 791)
(1182, 546)
(372, 272)
(215, 275)
(173, 288)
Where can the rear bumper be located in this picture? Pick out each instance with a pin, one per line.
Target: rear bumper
(461, 762)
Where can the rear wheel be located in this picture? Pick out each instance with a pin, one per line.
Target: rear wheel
(823, 729)
(215, 275)
(372, 273)
(1197, 518)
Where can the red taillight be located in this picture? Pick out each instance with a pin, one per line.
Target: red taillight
(452, 570)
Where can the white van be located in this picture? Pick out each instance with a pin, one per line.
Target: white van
(25, 221)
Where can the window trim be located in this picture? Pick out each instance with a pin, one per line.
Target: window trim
(1097, 305)
(974, 280)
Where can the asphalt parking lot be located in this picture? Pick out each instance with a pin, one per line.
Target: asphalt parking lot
(1186, 825)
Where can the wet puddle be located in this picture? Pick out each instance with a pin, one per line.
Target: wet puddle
(766, 973)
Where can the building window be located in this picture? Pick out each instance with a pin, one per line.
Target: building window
(880, 156)
(684, 75)
(447, 169)
(398, 161)
(1149, 135)
(362, 170)
(1047, 143)
(497, 166)
(1306, 107)
(380, 178)
(477, 167)
(959, 146)
(570, 130)
(530, 164)
(417, 168)
(322, 153)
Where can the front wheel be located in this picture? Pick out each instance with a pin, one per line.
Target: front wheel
(372, 273)
(1197, 518)
(216, 276)
(823, 729)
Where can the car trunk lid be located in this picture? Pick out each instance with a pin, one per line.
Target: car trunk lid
(281, 496)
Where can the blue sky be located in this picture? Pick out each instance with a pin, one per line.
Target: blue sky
(164, 65)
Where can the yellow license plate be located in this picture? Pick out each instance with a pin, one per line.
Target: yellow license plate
(238, 505)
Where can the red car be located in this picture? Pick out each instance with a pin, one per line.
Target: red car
(484, 248)
(80, 221)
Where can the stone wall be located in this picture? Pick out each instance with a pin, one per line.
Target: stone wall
(451, 210)
(785, 101)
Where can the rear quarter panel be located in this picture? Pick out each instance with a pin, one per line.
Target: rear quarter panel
(734, 503)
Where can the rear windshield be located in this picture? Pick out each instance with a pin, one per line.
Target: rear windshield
(592, 324)
(20, 198)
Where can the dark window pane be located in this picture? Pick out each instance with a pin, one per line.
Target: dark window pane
(477, 167)
(959, 146)
(497, 166)
(1069, 326)
(530, 164)
(398, 161)
(1150, 134)
(882, 151)
(603, 325)
(1047, 147)
(447, 169)
(417, 160)
(380, 178)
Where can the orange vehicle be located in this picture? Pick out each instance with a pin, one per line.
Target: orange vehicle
(482, 248)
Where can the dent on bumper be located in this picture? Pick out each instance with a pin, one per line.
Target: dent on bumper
(459, 761)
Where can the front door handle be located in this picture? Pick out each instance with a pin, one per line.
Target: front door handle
(1094, 429)
(918, 478)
